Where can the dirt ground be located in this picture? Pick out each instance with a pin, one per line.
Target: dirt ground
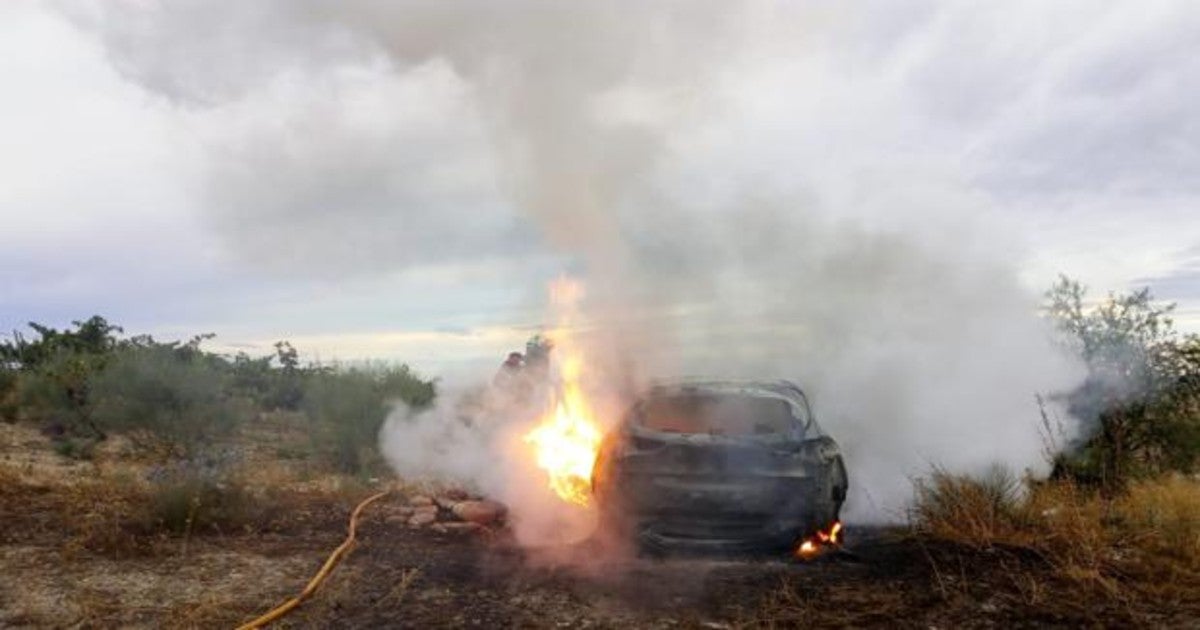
(423, 580)
(404, 578)
(417, 578)
(882, 578)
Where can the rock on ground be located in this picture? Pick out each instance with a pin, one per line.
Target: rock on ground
(483, 512)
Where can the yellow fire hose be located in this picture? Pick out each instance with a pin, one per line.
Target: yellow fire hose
(330, 563)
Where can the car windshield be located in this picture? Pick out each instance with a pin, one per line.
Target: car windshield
(733, 415)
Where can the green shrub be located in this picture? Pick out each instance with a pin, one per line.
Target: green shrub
(251, 376)
(175, 400)
(9, 406)
(166, 401)
(1141, 399)
(93, 336)
(348, 410)
(348, 406)
(269, 386)
(400, 383)
(48, 378)
(286, 383)
(194, 502)
(58, 391)
(75, 448)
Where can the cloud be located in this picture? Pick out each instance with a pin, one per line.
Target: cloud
(361, 138)
(94, 179)
(848, 196)
(365, 137)
(740, 197)
(1183, 283)
(358, 170)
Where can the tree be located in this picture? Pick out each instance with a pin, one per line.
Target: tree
(51, 376)
(59, 391)
(93, 336)
(1142, 387)
(288, 387)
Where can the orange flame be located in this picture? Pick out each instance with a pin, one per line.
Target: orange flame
(566, 441)
(567, 438)
(824, 538)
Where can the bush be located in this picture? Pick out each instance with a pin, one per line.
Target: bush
(9, 405)
(400, 383)
(349, 405)
(175, 400)
(348, 410)
(1164, 515)
(58, 392)
(270, 387)
(1153, 527)
(1142, 394)
(976, 511)
(49, 377)
(189, 500)
(169, 402)
(75, 448)
(93, 336)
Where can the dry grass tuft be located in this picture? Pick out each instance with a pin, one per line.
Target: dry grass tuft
(116, 512)
(977, 512)
(1061, 520)
(1136, 550)
(106, 515)
(100, 513)
(395, 596)
(1163, 517)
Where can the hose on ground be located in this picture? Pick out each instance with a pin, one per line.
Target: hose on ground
(330, 563)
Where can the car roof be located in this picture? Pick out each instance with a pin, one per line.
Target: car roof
(786, 391)
(767, 389)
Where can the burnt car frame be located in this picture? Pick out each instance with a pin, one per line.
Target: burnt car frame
(718, 466)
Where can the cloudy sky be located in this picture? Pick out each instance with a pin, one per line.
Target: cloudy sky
(357, 178)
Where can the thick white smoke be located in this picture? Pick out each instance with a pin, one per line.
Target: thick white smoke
(747, 190)
(475, 436)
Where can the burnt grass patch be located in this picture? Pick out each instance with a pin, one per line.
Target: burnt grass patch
(407, 578)
(885, 578)
(80, 547)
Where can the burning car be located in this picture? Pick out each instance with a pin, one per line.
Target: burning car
(720, 466)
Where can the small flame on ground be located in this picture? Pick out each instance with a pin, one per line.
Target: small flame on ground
(831, 537)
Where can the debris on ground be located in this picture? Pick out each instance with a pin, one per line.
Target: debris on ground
(450, 512)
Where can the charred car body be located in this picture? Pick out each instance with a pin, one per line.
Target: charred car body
(720, 466)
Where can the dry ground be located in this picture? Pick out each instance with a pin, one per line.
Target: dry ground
(65, 561)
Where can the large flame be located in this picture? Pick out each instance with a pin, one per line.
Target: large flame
(566, 440)
(567, 437)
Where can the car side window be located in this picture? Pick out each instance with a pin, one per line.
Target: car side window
(803, 415)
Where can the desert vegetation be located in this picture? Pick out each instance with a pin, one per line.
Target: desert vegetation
(124, 449)
(224, 479)
(174, 401)
(183, 441)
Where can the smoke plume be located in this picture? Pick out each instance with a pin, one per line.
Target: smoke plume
(738, 200)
